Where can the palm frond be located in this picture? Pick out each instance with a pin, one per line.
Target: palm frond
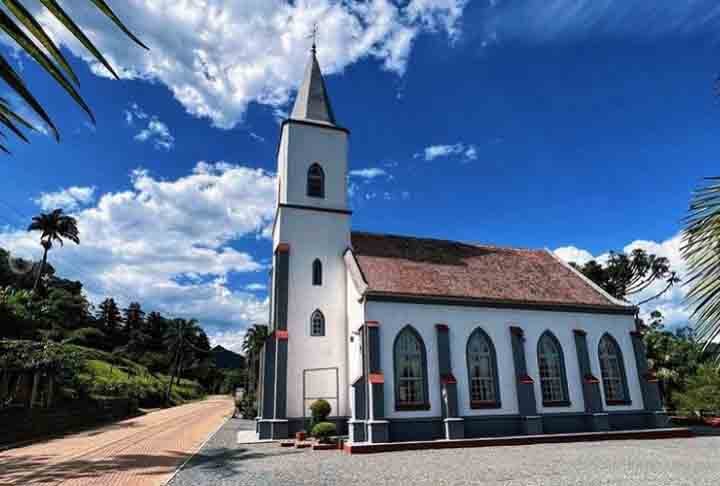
(701, 250)
(105, 8)
(32, 25)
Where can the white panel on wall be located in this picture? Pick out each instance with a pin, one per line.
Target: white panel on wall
(321, 384)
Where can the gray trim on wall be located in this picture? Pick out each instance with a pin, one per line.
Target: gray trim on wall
(527, 405)
(295, 121)
(268, 392)
(590, 384)
(281, 378)
(377, 296)
(315, 208)
(282, 258)
(648, 385)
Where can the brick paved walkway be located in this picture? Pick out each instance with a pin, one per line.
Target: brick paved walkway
(143, 451)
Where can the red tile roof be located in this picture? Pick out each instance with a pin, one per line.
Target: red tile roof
(423, 267)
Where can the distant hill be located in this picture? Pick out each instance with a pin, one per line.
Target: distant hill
(226, 359)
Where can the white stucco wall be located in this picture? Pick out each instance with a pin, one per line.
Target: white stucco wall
(356, 318)
(496, 323)
(303, 145)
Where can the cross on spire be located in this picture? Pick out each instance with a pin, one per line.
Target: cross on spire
(314, 35)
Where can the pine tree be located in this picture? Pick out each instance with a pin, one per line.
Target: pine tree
(110, 320)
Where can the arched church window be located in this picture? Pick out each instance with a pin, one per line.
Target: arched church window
(551, 363)
(316, 181)
(317, 272)
(410, 371)
(317, 324)
(482, 371)
(613, 371)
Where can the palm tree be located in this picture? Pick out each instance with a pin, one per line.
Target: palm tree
(23, 28)
(180, 336)
(252, 345)
(701, 250)
(54, 226)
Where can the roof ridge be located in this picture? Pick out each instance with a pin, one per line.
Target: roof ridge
(443, 240)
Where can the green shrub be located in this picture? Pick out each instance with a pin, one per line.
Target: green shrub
(320, 410)
(323, 431)
(702, 391)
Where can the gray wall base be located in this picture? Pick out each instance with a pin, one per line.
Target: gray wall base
(454, 428)
(378, 431)
(532, 425)
(272, 429)
(658, 420)
(357, 431)
(599, 422)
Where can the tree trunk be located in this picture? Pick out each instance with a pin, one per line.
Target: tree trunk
(173, 368)
(50, 391)
(35, 386)
(4, 384)
(42, 268)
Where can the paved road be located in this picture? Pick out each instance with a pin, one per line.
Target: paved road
(143, 451)
(675, 462)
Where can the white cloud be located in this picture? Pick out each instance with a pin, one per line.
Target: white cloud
(157, 133)
(256, 137)
(68, 199)
(171, 244)
(231, 340)
(255, 287)
(671, 304)
(369, 173)
(461, 150)
(217, 56)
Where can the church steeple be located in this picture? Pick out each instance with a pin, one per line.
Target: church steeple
(312, 102)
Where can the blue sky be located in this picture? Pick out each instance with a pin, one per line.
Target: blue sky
(573, 125)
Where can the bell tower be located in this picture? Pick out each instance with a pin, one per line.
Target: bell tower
(305, 357)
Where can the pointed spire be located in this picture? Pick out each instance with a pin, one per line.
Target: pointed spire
(312, 102)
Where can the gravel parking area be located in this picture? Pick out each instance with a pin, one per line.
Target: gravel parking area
(675, 462)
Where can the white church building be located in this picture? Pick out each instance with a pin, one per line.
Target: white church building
(414, 338)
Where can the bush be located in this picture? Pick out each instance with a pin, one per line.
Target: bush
(702, 392)
(324, 430)
(248, 407)
(320, 411)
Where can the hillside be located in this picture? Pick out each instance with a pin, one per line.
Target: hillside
(226, 359)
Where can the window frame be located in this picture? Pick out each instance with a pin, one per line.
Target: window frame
(481, 404)
(424, 403)
(317, 273)
(317, 313)
(625, 400)
(565, 401)
(320, 194)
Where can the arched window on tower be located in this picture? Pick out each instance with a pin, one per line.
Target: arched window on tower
(613, 371)
(316, 181)
(482, 371)
(317, 272)
(317, 324)
(410, 371)
(551, 363)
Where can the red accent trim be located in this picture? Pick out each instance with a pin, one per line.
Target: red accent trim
(517, 331)
(580, 332)
(282, 247)
(372, 323)
(526, 380)
(377, 378)
(479, 405)
(448, 379)
(651, 377)
(281, 334)
(590, 379)
(441, 327)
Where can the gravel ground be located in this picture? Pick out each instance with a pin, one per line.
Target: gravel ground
(675, 462)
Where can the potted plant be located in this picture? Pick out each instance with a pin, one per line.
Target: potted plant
(322, 431)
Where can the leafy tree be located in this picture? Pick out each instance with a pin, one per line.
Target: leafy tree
(23, 28)
(110, 320)
(182, 338)
(701, 250)
(134, 317)
(54, 227)
(624, 276)
(703, 391)
(253, 343)
(674, 355)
